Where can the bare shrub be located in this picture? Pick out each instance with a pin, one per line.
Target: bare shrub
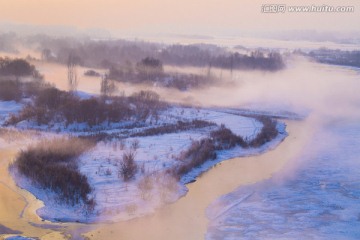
(135, 144)
(108, 172)
(122, 144)
(127, 167)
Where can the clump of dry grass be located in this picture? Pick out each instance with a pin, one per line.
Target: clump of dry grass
(52, 164)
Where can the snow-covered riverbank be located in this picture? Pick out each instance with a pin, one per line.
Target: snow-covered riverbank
(120, 200)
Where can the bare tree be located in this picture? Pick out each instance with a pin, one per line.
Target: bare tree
(72, 74)
(46, 54)
(107, 87)
(231, 65)
(209, 70)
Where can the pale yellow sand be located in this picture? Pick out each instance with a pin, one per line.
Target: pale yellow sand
(17, 207)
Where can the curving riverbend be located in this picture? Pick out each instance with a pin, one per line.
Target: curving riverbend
(184, 219)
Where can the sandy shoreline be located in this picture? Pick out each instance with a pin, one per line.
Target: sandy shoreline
(17, 206)
(186, 218)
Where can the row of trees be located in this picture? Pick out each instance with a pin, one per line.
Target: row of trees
(151, 70)
(337, 57)
(51, 105)
(108, 54)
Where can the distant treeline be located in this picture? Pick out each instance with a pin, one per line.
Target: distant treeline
(112, 53)
(150, 70)
(336, 57)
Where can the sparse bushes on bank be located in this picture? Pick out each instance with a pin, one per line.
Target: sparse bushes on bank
(205, 149)
(198, 153)
(267, 133)
(52, 164)
(224, 138)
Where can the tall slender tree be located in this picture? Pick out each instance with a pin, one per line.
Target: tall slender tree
(107, 87)
(72, 73)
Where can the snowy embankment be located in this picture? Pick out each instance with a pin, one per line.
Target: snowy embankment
(152, 186)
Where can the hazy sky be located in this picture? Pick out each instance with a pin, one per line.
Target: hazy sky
(223, 17)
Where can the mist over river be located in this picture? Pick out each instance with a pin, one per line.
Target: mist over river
(307, 187)
(316, 196)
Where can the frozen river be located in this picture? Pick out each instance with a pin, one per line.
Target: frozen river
(317, 196)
